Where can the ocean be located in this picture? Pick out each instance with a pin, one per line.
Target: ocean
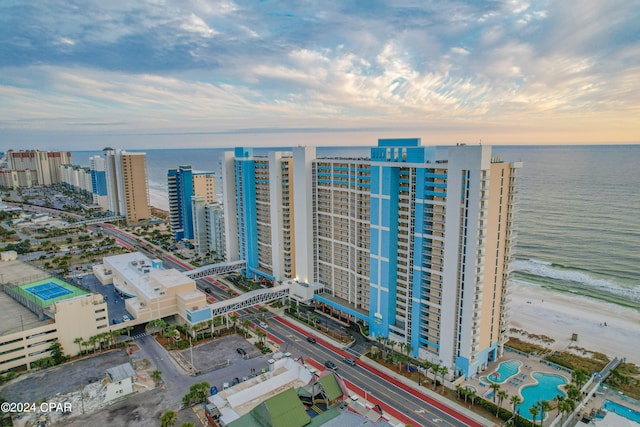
(577, 219)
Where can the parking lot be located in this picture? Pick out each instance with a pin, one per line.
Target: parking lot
(220, 353)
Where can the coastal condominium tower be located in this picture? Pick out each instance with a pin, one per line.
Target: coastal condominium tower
(262, 213)
(413, 241)
(183, 184)
(99, 182)
(127, 187)
(46, 164)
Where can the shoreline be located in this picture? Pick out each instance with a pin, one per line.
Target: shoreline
(558, 315)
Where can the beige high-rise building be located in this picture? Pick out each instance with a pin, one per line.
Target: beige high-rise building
(46, 164)
(127, 186)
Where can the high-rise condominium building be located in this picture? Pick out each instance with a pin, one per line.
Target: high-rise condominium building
(413, 241)
(208, 228)
(99, 181)
(183, 184)
(46, 164)
(127, 187)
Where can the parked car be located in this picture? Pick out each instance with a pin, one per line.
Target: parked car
(329, 364)
(235, 381)
(225, 386)
(241, 351)
(126, 318)
(312, 340)
(349, 361)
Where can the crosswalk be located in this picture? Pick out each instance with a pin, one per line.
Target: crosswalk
(138, 336)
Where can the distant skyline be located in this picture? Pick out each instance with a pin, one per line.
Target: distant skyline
(81, 75)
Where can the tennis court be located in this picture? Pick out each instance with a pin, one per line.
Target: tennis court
(46, 292)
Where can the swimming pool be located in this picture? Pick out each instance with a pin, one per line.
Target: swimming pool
(547, 388)
(505, 371)
(623, 411)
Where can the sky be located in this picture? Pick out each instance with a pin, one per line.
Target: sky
(84, 74)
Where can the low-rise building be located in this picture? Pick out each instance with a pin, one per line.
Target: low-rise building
(152, 291)
(120, 381)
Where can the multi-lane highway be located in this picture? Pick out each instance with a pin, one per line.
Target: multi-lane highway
(405, 403)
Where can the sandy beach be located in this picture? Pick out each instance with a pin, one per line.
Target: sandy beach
(558, 316)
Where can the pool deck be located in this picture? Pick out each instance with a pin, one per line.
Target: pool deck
(533, 364)
(511, 386)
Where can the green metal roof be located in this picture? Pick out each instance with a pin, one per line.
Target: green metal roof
(282, 410)
(331, 387)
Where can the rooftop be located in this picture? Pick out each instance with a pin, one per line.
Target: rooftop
(121, 372)
(14, 317)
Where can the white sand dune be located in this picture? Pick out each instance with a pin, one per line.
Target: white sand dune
(558, 316)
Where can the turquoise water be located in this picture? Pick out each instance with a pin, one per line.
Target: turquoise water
(505, 371)
(546, 389)
(623, 411)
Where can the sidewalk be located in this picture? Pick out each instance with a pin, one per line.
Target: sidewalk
(431, 397)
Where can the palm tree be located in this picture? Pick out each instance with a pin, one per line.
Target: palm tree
(544, 407)
(534, 413)
(579, 377)
(78, 341)
(234, 319)
(92, 342)
(515, 401)
(188, 424)
(156, 376)
(169, 419)
(435, 368)
(443, 373)
(565, 406)
(495, 387)
(458, 390)
(573, 393)
(473, 395)
(246, 324)
(502, 395)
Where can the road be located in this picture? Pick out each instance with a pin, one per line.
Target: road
(401, 401)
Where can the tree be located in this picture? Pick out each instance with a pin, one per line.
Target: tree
(579, 377)
(78, 341)
(515, 401)
(234, 319)
(56, 353)
(246, 324)
(188, 424)
(473, 395)
(495, 387)
(502, 395)
(573, 393)
(443, 373)
(565, 407)
(544, 407)
(156, 376)
(534, 413)
(168, 419)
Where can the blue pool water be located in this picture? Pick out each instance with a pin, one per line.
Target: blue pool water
(505, 371)
(623, 411)
(546, 389)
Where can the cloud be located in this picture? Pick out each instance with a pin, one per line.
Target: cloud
(212, 66)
